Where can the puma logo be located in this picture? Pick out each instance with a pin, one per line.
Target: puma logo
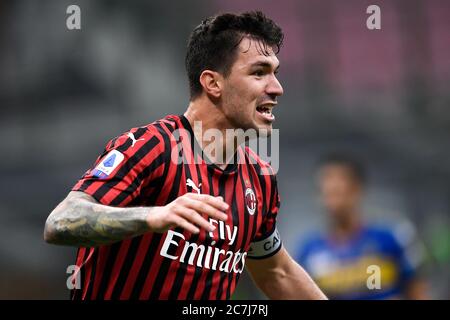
(133, 139)
(191, 184)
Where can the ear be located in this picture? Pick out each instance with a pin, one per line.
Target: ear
(211, 82)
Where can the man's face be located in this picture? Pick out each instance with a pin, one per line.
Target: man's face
(339, 190)
(251, 89)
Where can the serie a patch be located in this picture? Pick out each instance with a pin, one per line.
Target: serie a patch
(109, 163)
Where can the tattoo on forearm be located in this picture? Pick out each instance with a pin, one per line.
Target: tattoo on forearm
(86, 223)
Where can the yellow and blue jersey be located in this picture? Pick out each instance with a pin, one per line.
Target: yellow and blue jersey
(343, 269)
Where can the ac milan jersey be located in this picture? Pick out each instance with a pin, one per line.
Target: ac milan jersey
(152, 166)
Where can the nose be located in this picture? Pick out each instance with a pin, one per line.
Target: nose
(274, 87)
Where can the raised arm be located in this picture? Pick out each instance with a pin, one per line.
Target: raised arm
(79, 220)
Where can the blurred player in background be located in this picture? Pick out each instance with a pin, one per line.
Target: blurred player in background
(152, 227)
(346, 261)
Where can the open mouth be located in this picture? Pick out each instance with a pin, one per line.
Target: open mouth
(266, 112)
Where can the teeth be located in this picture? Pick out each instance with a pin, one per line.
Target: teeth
(265, 110)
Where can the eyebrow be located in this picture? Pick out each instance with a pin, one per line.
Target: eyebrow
(264, 65)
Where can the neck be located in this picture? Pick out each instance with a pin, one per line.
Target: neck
(346, 226)
(209, 125)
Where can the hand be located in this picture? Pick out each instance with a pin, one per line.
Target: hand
(186, 212)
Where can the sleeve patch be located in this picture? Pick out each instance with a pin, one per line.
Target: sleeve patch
(109, 163)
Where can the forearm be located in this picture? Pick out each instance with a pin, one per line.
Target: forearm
(291, 283)
(79, 221)
(417, 290)
(280, 277)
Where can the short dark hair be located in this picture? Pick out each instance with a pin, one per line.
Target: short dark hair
(212, 44)
(350, 162)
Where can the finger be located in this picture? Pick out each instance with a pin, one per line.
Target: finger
(193, 217)
(179, 221)
(205, 208)
(216, 202)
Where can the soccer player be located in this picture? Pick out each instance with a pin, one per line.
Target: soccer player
(149, 226)
(354, 259)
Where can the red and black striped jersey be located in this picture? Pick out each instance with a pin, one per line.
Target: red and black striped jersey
(152, 166)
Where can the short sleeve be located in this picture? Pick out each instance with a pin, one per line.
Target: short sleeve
(408, 250)
(124, 168)
(267, 240)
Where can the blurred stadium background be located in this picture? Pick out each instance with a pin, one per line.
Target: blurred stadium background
(383, 95)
